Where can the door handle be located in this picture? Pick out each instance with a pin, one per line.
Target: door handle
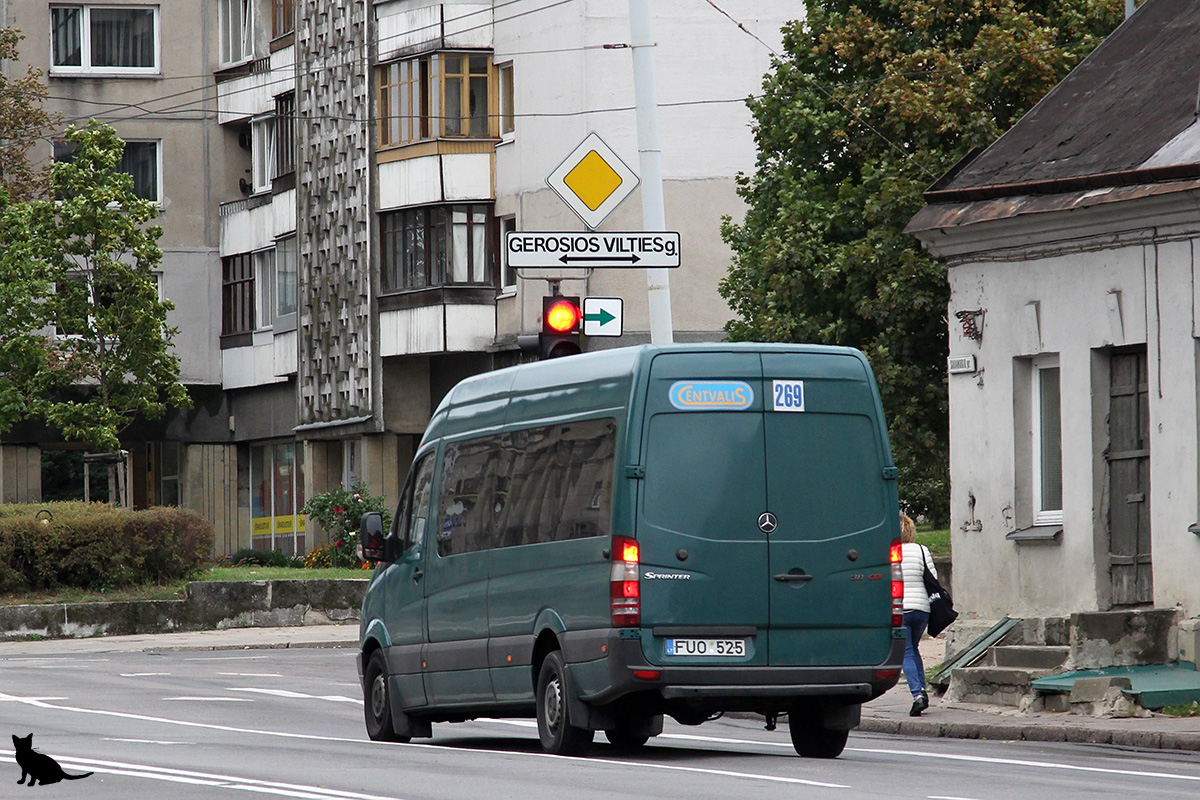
(417, 574)
(793, 577)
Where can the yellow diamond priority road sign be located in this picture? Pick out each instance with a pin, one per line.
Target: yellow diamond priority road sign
(592, 180)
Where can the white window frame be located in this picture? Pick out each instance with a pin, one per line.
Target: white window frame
(262, 138)
(507, 224)
(239, 31)
(506, 100)
(85, 45)
(288, 246)
(1043, 515)
(264, 288)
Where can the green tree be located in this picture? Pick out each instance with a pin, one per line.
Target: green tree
(25, 282)
(23, 123)
(112, 359)
(869, 103)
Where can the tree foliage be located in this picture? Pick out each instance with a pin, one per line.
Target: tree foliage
(868, 104)
(23, 123)
(90, 350)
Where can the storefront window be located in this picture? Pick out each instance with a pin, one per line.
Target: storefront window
(277, 478)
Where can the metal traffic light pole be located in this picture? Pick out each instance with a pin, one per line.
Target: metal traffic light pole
(654, 217)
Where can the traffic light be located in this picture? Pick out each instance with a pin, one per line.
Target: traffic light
(560, 327)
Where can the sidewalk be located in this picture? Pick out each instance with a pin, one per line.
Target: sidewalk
(888, 714)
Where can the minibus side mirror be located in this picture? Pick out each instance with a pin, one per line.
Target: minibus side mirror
(370, 537)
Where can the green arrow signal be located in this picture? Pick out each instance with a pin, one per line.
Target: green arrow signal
(603, 317)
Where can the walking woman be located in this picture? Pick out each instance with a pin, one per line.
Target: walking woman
(914, 558)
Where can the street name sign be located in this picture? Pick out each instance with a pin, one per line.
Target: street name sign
(610, 249)
(602, 316)
(592, 180)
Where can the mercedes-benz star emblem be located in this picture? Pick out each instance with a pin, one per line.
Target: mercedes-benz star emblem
(767, 522)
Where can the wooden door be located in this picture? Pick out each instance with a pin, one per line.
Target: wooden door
(1129, 480)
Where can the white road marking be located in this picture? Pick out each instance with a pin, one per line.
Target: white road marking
(1021, 762)
(138, 741)
(204, 779)
(213, 699)
(444, 748)
(336, 698)
(9, 699)
(142, 674)
(251, 674)
(945, 797)
(226, 658)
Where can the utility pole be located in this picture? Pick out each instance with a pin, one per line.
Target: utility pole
(654, 217)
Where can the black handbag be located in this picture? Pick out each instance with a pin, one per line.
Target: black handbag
(941, 605)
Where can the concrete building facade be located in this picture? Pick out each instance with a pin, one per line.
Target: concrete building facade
(343, 174)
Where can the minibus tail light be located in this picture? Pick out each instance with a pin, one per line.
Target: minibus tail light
(624, 589)
(896, 556)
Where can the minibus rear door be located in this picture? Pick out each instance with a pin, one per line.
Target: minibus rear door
(703, 557)
(827, 494)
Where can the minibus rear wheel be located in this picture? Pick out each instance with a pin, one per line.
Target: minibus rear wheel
(555, 730)
(624, 740)
(377, 707)
(813, 740)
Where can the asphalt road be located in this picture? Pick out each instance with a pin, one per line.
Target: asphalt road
(288, 723)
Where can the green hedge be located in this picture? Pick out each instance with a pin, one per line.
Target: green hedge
(95, 546)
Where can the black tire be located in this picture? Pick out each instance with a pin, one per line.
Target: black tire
(815, 741)
(625, 740)
(377, 707)
(555, 730)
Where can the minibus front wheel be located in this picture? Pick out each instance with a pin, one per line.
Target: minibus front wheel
(377, 707)
(555, 730)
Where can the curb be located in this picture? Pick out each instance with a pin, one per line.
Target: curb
(1016, 732)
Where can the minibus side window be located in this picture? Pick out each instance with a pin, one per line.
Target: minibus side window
(417, 524)
(561, 483)
(468, 479)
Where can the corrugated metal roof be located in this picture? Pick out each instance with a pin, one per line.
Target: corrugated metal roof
(1129, 106)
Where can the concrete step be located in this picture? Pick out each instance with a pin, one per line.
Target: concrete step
(1000, 686)
(1032, 656)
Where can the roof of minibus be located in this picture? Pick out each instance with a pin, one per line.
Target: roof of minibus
(612, 372)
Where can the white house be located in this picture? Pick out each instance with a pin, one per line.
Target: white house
(1072, 246)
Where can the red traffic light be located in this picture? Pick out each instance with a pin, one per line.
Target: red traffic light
(561, 316)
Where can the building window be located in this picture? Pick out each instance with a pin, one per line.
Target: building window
(237, 294)
(437, 246)
(508, 274)
(142, 161)
(438, 95)
(285, 275)
(237, 39)
(277, 475)
(508, 122)
(285, 134)
(165, 458)
(350, 470)
(282, 21)
(262, 156)
(264, 279)
(103, 39)
(1047, 443)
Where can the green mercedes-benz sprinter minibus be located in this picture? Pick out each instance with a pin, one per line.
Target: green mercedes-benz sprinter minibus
(601, 540)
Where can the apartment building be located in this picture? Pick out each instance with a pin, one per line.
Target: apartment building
(352, 170)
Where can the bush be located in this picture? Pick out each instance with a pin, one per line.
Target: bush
(340, 512)
(261, 558)
(95, 546)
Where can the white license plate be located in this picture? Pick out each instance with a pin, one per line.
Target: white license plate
(732, 648)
